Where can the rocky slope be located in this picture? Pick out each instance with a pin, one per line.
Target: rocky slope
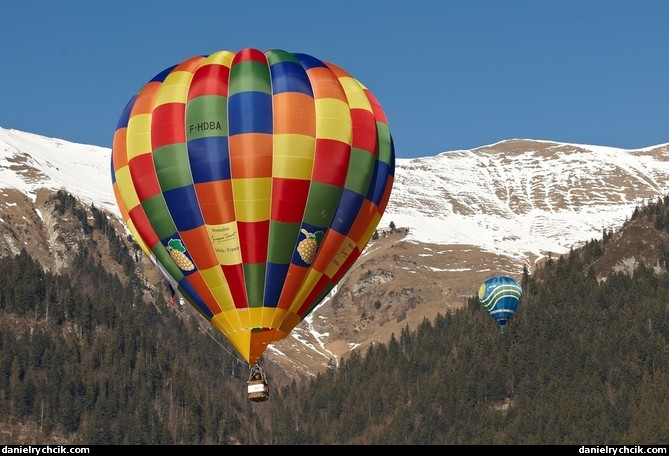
(460, 218)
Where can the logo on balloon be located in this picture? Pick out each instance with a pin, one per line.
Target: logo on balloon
(308, 247)
(178, 253)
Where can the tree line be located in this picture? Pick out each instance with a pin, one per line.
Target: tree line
(85, 358)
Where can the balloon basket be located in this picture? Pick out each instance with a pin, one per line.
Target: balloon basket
(257, 386)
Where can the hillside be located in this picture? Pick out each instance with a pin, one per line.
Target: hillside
(461, 217)
(95, 354)
(397, 283)
(583, 361)
(87, 359)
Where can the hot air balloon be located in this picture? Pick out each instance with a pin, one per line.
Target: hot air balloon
(500, 296)
(253, 181)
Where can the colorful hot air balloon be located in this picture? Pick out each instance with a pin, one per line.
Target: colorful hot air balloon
(253, 180)
(500, 296)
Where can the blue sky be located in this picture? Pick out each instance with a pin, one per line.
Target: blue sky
(449, 74)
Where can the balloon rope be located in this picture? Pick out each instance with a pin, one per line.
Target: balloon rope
(219, 343)
(206, 330)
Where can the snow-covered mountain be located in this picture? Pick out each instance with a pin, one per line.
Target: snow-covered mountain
(30, 162)
(465, 215)
(518, 197)
(524, 198)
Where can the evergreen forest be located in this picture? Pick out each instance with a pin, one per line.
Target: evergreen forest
(84, 359)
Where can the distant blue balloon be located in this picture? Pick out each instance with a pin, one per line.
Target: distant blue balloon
(500, 296)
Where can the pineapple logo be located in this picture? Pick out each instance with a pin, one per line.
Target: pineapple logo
(176, 250)
(307, 247)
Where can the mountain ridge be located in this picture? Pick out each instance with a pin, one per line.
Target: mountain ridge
(460, 217)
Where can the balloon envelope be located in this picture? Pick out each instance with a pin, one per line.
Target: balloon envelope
(253, 181)
(500, 296)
